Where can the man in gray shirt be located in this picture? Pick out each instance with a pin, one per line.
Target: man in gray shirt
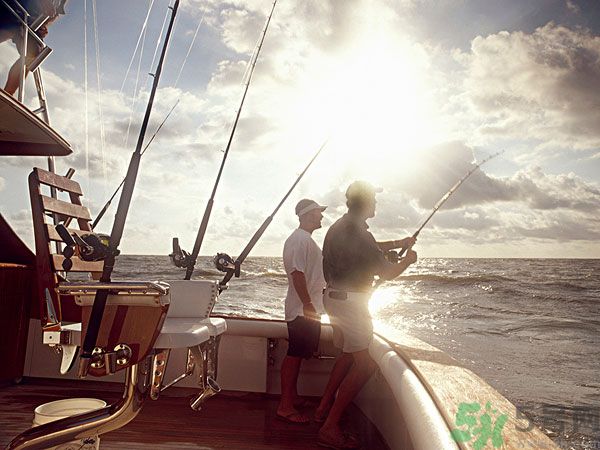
(351, 259)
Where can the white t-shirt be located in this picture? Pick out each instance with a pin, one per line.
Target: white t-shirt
(301, 253)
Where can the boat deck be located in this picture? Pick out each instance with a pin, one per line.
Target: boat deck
(232, 420)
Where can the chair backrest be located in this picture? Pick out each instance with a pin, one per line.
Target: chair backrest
(48, 262)
(132, 316)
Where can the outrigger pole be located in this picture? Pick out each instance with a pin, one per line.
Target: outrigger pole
(225, 263)
(105, 207)
(191, 261)
(119, 225)
(447, 196)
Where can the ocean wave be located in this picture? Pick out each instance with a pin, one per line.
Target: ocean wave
(556, 325)
(466, 280)
(266, 274)
(565, 285)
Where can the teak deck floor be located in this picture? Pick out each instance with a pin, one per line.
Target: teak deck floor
(229, 420)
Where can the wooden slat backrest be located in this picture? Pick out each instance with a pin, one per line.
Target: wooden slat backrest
(54, 180)
(65, 209)
(78, 264)
(136, 325)
(47, 263)
(54, 236)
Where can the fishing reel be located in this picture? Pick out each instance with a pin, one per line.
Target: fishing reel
(392, 256)
(88, 247)
(179, 257)
(225, 263)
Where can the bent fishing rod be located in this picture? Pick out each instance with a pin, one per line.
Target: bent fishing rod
(443, 200)
(190, 260)
(107, 204)
(119, 224)
(225, 263)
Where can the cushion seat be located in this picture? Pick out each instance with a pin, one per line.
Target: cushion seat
(175, 333)
(216, 325)
(182, 333)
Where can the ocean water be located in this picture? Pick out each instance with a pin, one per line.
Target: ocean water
(529, 327)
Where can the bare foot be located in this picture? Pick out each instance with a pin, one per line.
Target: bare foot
(293, 416)
(300, 403)
(333, 437)
(321, 415)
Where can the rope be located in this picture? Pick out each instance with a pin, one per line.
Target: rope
(137, 45)
(189, 51)
(97, 46)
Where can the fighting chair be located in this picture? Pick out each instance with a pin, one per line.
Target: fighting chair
(138, 328)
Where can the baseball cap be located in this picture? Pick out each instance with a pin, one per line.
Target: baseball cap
(306, 205)
(362, 189)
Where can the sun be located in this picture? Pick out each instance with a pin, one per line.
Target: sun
(372, 101)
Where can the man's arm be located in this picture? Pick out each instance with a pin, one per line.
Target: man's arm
(391, 271)
(386, 246)
(299, 281)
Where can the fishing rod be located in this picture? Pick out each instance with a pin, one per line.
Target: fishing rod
(397, 255)
(119, 224)
(225, 263)
(107, 205)
(190, 261)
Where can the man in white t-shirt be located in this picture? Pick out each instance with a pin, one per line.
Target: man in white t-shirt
(303, 264)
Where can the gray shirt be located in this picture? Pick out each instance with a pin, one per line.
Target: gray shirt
(351, 256)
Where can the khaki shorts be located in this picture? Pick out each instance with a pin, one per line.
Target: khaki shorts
(350, 319)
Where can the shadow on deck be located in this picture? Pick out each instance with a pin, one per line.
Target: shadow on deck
(231, 420)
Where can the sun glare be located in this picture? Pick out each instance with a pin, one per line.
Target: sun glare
(382, 298)
(372, 102)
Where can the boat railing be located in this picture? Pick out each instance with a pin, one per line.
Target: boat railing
(28, 31)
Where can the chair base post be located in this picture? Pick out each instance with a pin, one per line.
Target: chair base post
(101, 421)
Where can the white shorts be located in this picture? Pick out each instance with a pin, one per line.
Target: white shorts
(350, 319)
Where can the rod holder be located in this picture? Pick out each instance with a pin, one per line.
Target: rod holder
(211, 388)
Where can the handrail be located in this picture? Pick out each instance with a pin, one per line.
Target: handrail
(117, 286)
(25, 24)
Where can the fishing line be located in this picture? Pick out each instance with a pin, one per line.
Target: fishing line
(189, 50)
(225, 263)
(136, 45)
(116, 234)
(209, 205)
(107, 204)
(438, 205)
(162, 28)
(85, 89)
(453, 189)
(97, 47)
(135, 87)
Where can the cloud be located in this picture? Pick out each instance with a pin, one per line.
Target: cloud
(227, 75)
(544, 85)
(359, 63)
(573, 7)
(485, 209)
(239, 28)
(562, 228)
(438, 168)
(470, 219)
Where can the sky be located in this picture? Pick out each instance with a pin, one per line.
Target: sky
(409, 93)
